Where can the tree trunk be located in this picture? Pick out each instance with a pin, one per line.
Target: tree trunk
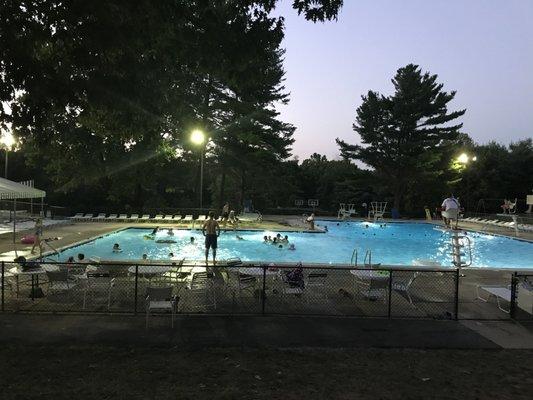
(222, 187)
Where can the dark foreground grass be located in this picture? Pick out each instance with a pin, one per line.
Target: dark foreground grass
(101, 372)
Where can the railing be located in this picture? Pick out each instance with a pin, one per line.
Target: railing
(394, 292)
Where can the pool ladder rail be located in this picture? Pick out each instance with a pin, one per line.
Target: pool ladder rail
(368, 256)
(457, 250)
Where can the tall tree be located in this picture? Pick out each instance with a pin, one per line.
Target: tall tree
(405, 136)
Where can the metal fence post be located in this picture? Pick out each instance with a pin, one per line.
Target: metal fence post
(512, 306)
(263, 293)
(136, 288)
(390, 294)
(456, 308)
(3, 285)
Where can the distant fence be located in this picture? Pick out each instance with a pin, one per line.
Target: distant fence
(263, 290)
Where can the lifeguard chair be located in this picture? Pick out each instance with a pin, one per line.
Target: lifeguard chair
(346, 212)
(378, 209)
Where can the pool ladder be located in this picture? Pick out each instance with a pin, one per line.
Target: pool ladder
(368, 256)
(457, 250)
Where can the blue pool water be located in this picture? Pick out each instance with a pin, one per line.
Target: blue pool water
(392, 244)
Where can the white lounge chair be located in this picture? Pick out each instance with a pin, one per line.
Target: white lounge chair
(158, 217)
(201, 287)
(86, 217)
(111, 217)
(177, 217)
(77, 216)
(145, 217)
(123, 217)
(188, 218)
(134, 217)
(99, 217)
(201, 218)
(496, 291)
(167, 218)
(403, 282)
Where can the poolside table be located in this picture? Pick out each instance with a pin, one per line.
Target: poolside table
(34, 273)
(370, 274)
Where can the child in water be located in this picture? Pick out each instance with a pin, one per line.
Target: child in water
(116, 248)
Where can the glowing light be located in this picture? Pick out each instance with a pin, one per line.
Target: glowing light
(474, 158)
(7, 139)
(197, 137)
(463, 158)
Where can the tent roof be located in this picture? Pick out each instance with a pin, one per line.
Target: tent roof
(10, 190)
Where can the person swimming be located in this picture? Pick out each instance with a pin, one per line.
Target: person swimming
(239, 237)
(280, 246)
(156, 229)
(169, 241)
(170, 232)
(292, 246)
(170, 255)
(265, 239)
(145, 256)
(192, 240)
(116, 248)
(285, 239)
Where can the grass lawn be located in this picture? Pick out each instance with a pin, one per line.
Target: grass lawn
(102, 372)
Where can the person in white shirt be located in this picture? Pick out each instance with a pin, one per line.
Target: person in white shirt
(450, 210)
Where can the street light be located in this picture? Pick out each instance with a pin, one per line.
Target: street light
(465, 159)
(8, 140)
(198, 138)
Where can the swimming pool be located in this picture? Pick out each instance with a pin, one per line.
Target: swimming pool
(391, 244)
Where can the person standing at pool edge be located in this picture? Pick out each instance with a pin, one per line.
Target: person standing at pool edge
(211, 231)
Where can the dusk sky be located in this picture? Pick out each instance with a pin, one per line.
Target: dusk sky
(483, 49)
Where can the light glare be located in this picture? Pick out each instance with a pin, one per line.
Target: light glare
(197, 136)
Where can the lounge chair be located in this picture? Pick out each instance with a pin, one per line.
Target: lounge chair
(167, 218)
(403, 282)
(188, 218)
(134, 217)
(145, 217)
(158, 217)
(160, 299)
(59, 281)
(99, 217)
(86, 217)
(496, 291)
(201, 287)
(123, 217)
(111, 217)
(177, 217)
(201, 218)
(77, 216)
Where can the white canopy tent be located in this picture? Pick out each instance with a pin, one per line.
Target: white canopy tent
(10, 190)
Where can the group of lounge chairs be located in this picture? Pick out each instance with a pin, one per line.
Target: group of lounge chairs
(495, 222)
(159, 218)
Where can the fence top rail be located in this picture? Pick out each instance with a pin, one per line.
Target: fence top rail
(244, 265)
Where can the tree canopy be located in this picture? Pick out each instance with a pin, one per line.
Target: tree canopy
(406, 137)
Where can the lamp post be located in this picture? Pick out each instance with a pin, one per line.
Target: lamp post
(8, 141)
(198, 138)
(464, 159)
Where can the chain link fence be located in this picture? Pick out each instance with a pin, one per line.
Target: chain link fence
(265, 289)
